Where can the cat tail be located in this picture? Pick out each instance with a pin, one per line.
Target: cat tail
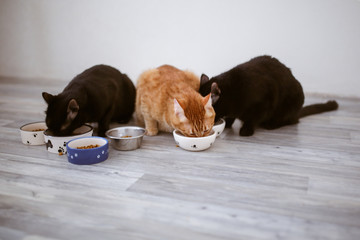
(318, 108)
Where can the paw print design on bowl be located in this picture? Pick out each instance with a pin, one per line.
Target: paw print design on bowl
(57, 144)
(89, 155)
(33, 133)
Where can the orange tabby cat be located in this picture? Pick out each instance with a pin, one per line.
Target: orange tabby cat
(167, 98)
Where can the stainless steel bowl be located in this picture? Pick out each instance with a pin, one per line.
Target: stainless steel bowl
(126, 138)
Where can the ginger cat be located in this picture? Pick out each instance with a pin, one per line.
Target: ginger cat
(167, 98)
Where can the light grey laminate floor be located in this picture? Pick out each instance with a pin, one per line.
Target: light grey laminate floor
(297, 182)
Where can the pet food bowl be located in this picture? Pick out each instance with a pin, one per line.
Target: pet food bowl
(33, 133)
(87, 150)
(194, 143)
(126, 138)
(57, 144)
(219, 126)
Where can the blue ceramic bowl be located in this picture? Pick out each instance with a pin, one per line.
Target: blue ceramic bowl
(90, 155)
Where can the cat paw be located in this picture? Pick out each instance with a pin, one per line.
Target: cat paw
(246, 132)
(151, 132)
(229, 122)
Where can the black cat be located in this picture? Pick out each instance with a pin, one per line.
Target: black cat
(261, 92)
(99, 94)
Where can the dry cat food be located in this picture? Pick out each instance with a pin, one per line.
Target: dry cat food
(37, 130)
(89, 146)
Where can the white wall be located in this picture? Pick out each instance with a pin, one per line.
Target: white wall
(318, 39)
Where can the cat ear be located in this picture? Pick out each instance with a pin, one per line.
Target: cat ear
(207, 101)
(203, 79)
(179, 111)
(215, 92)
(47, 97)
(72, 110)
(207, 105)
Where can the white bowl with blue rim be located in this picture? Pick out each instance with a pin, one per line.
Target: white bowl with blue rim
(87, 150)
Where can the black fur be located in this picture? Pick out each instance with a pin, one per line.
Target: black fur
(261, 92)
(99, 94)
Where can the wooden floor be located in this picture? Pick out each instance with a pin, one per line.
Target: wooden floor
(297, 182)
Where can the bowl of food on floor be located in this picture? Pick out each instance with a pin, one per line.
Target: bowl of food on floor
(126, 138)
(194, 143)
(33, 133)
(87, 150)
(219, 126)
(57, 144)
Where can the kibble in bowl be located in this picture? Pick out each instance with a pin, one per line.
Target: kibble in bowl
(126, 138)
(87, 150)
(33, 133)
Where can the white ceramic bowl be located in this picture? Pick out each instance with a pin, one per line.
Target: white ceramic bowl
(219, 126)
(57, 144)
(194, 143)
(33, 133)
